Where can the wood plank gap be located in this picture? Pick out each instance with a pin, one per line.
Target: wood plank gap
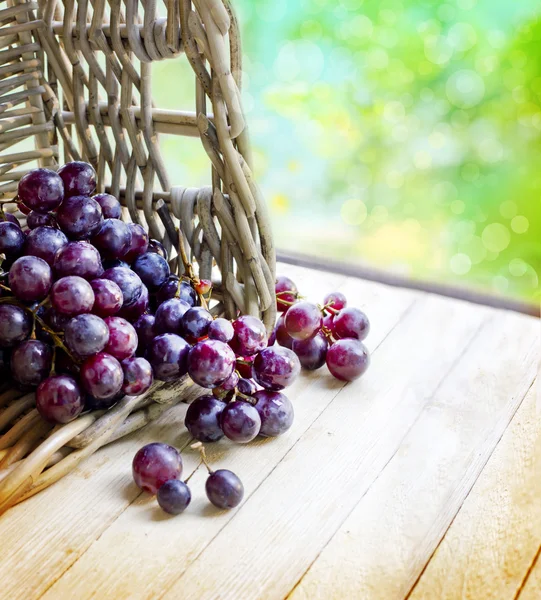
(532, 566)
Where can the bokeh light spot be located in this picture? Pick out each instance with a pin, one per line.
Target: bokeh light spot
(460, 264)
(354, 212)
(520, 224)
(517, 267)
(465, 88)
(496, 237)
(457, 207)
(462, 36)
(508, 209)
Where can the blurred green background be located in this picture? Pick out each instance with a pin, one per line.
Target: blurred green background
(403, 135)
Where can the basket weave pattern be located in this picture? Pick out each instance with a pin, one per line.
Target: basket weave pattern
(75, 77)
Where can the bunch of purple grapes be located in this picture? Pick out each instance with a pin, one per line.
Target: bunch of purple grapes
(330, 334)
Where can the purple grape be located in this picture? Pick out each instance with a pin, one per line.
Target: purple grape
(45, 242)
(276, 413)
(152, 269)
(347, 359)
(11, 239)
(158, 248)
(5, 216)
(31, 362)
(35, 219)
(122, 338)
(79, 179)
(138, 376)
(15, 325)
(132, 312)
(169, 316)
(174, 496)
(221, 330)
(283, 286)
(110, 206)
(311, 352)
(224, 489)
(351, 323)
(203, 419)
(79, 217)
(154, 465)
(115, 262)
(337, 300)
(107, 297)
(144, 327)
(275, 368)
(92, 403)
(303, 320)
(86, 335)
(102, 376)
(244, 366)
(195, 323)
(59, 399)
(41, 190)
(231, 382)
(30, 278)
(168, 355)
(78, 258)
(56, 320)
(272, 338)
(210, 363)
(328, 321)
(72, 296)
(240, 421)
(128, 281)
(248, 387)
(250, 336)
(138, 243)
(171, 289)
(113, 239)
(282, 336)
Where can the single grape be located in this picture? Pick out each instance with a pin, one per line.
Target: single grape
(286, 293)
(30, 278)
(31, 362)
(56, 321)
(5, 216)
(272, 338)
(168, 355)
(347, 359)
(35, 219)
(275, 368)
(174, 496)
(45, 242)
(210, 363)
(221, 330)
(11, 239)
(244, 366)
(79, 178)
(144, 327)
(311, 352)
(224, 489)
(102, 376)
(15, 325)
(24, 209)
(195, 323)
(152, 269)
(337, 300)
(138, 243)
(154, 465)
(351, 323)
(113, 239)
(169, 316)
(202, 419)
(128, 281)
(172, 289)
(110, 206)
(41, 190)
(132, 312)
(303, 320)
(276, 413)
(107, 297)
(203, 286)
(122, 338)
(78, 258)
(79, 217)
(250, 336)
(247, 386)
(240, 421)
(72, 296)
(59, 399)
(86, 335)
(158, 248)
(231, 382)
(328, 321)
(111, 263)
(138, 376)
(282, 336)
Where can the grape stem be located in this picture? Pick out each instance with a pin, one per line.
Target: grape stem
(188, 269)
(246, 398)
(199, 446)
(328, 308)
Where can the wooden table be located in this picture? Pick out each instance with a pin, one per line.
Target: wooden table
(420, 480)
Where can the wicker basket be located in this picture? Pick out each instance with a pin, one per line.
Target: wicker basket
(76, 77)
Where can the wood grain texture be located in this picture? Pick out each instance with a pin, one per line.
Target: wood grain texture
(387, 540)
(156, 548)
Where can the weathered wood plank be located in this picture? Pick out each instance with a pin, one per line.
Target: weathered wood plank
(494, 538)
(382, 547)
